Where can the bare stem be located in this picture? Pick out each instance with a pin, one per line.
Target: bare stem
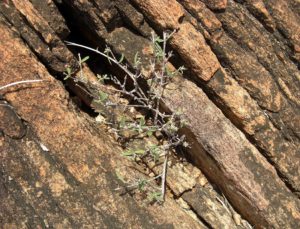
(137, 183)
(163, 177)
(19, 82)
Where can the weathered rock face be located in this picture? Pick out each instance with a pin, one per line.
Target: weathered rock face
(57, 167)
(240, 95)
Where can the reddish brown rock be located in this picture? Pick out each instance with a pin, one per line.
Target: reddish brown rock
(35, 30)
(160, 12)
(203, 62)
(49, 11)
(233, 163)
(204, 68)
(287, 23)
(213, 208)
(243, 57)
(203, 14)
(216, 4)
(258, 8)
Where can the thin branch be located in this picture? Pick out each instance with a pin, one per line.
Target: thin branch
(123, 67)
(163, 177)
(137, 183)
(19, 82)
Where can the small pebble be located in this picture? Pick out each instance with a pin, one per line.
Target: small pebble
(39, 193)
(151, 174)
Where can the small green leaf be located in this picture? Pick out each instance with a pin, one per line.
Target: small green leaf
(149, 82)
(84, 59)
(155, 152)
(159, 40)
(158, 51)
(183, 123)
(141, 184)
(155, 196)
(122, 122)
(136, 57)
(102, 78)
(68, 73)
(185, 144)
(181, 69)
(131, 152)
(119, 176)
(169, 73)
(121, 59)
(107, 51)
(142, 121)
(149, 133)
(137, 60)
(102, 96)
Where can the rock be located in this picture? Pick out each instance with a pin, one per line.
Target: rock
(240, 95)
(203, 62)
(228, 145)
(214, 211)
(216, 4)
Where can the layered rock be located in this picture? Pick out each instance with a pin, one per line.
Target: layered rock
(240, 95)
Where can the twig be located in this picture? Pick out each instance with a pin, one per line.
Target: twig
(7, 105)
(19, 82)
(137, 183)
(163, 177)
(224, 205)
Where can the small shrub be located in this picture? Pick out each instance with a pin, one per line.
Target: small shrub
(147, 100)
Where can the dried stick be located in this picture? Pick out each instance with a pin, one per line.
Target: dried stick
(19, 82)
(163, 177)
